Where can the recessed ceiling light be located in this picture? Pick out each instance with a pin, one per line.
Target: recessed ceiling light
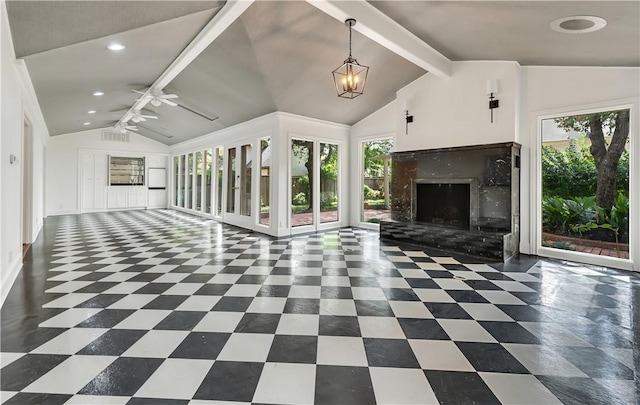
(98, 93)
(87, 123)
(91, 112)
(578, 24)
(115, 47)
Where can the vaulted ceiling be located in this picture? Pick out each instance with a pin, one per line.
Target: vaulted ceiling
(278, 55)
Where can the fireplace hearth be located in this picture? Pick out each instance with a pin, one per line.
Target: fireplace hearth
(463, 200)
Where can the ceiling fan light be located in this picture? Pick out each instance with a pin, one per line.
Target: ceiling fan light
(156, 102)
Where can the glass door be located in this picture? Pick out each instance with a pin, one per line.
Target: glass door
(376, 177)
(239, 195)
(314, 185)
(584, 174)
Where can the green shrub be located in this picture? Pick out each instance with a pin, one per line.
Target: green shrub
(371, 194)
(299, 199)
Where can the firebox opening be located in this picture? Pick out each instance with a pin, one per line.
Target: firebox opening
(444, 204)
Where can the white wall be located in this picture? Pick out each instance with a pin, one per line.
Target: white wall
(455, 111)
(565, 89)
(18, 101)
(380, 124)
(62, 162)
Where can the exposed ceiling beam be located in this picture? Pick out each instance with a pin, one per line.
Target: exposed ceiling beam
(229, 13)
(380, 28)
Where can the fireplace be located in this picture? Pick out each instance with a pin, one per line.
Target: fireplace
(444, 204)
(461, 200)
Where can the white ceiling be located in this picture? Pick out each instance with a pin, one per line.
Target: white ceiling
(278, 56)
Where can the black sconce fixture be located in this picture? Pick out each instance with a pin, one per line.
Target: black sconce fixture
(408, 118)
(492, 88)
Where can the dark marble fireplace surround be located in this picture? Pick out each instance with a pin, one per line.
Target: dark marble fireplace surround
(463, 200)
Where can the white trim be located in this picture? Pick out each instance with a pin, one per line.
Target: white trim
(10, 276)
(536, 118)
(63, 212)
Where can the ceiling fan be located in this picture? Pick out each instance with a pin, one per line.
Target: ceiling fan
(157, 97)
(124, 127)
(137, 116)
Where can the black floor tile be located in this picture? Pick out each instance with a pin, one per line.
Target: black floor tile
(339, 326)
(422, 329)
(509, 332)
(166, 302)
(293, 349)
(390, 353)
(595, 363)
(467, 296)
(578, 391)
(457, 388)
(181, 320)
(27, 369)
(343, 385)
(230, 381)
(258, 323)
(107, 318)
(201, 345)
(101, 301)
(154, 288)
(122, 377)
(113, 342)
(422, 283)
(274, 291)
(302, 306)
(157, 401)
(447, 310)
(336, 292)
(24, 398)
(491, 357)
(373, 308)
(233, 304)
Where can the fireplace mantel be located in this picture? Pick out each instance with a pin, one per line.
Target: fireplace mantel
(493, 175)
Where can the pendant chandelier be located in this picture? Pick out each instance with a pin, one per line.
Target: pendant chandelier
(351, 76)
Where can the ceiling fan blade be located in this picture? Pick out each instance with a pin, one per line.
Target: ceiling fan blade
(171, 103)
(138, 91)
(169, 96)
(153, 117)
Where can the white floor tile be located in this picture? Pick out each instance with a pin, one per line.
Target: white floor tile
(183, 289)
(252, 347)
(485, 312)
(439, 355)
(368, 293)
(279, 280)
(286, 383)
(335, 281)
(401, 386)
(512, 286)
(501, 297)
(133, 301)
(267, 305)
(7, 358)
(119, 277)
(69, 300)
(542, 360)
(70, 341)
(70, 318)
(452, 284)
(71, 375)
(127, 287)
(199, 303)
(433, 295)
(224, 279)
(144, 319)
(413, 273)
(465, 330)
(156, 344)
(69, 286)
(337, 307)
(341, 351)
(68, 275)
(298, 324)
(171, 278)
(304, 291)
(219, 321)
(380, 327)
(410, 309)
(175, 379)
(519, 389)
(243, 290)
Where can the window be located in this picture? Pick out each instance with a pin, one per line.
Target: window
(376, 177)
(231, 181)
(328, 182)
(265, 173)
(301, 182)
(207, 181)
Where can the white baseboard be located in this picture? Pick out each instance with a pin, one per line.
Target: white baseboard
(10, 276)
(62, 212)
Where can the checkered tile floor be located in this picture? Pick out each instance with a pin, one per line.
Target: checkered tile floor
(155, 307)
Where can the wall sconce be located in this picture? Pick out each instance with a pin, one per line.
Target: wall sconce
(492, 88)
(408, 118)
